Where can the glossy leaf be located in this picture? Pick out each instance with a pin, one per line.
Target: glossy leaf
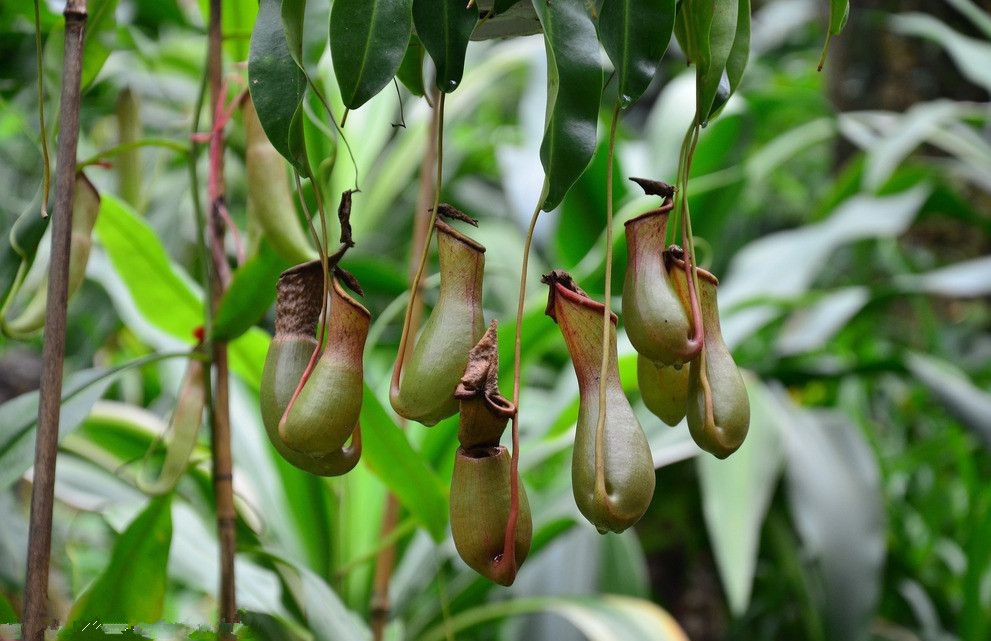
(293, 18)
(249, 295)
(739, 54)
(835, 498)
(506, 19)
(411, 69)
(714, 26)
(387, 452)
(132, 587)
(635, 35)
(736, 494)
(500, 6)
(19, 420)
(368, 39)
(574, 86)
(276, 82)
(444, 27)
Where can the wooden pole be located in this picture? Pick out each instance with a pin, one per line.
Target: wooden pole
(53, 352)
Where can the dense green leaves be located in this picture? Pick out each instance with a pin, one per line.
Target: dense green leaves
(444, 27)
(276, 82)
(635, 35)
(574, 86)
(368, 39)
(160, 291)
(132, 587)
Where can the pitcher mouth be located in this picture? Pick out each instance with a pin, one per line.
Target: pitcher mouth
(562, 284)
(663, 210)
(346, 296)
(453, 233)
(674, 257)
(482, 451)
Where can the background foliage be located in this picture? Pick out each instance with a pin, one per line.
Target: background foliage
(846, 214)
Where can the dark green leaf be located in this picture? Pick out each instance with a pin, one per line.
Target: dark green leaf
(275, 80)
(411, 69)
(839, 12)
(736, 64)
(293, 14)
(502, 5)
(368, 39)
(635, 35)
(19, 420)
(132, 587)
(714, 28)
(387, 452)
(444, 27)
(250, 294)
(574, 86)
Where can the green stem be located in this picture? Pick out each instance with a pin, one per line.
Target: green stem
(47, 169)
(600, 426)
(509, 546)
(164, 143)
(489, 612)
(338, 127)
(414, 288)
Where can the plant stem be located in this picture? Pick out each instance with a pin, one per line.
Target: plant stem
(407, 321)
(53, 352)
(509, 546)
(220, 427)
(47, 169)
(386, 561)
(600, 426)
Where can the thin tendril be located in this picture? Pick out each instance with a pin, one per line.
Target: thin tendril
(338, 127)
(47, 173)
(397, 369)
(325, 269)
(600, 426)
(514, 469)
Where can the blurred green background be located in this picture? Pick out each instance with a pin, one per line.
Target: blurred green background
(847, 214)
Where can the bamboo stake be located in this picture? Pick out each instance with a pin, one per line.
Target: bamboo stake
(53, 353)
